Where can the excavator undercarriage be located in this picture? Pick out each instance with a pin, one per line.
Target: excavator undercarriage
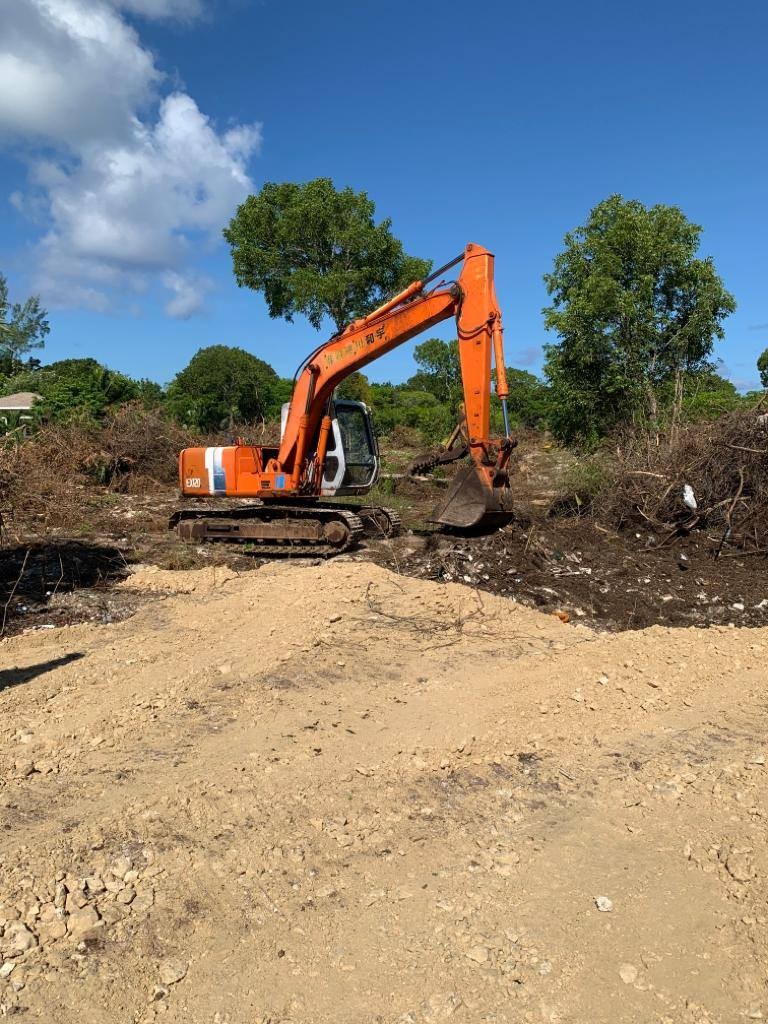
(288, 529)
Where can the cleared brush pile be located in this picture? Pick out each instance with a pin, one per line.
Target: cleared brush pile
(710, 477)
(134, 449)
(47, 476)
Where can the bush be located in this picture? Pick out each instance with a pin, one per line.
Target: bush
(72, 388)
(582, 483)
(724, 463)
(133, 448)
(404, 438)
(48, 476)
(223, 386)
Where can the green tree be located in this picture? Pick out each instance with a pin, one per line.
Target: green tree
(439, 371)
(73, 387)
(223, 386)
(528, 401)
(708, 395)
(635, 310)
(281, 393)
(312, 249)
(152, 395)
(400, 405)
(439, 374)
(762, 368)
(356, 387)
(23, 328)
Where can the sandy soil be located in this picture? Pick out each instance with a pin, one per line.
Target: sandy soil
(334, 794)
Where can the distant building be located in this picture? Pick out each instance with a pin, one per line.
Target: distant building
(16, 409)
(22, 401)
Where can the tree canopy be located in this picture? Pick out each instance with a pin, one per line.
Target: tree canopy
(23, 328)
(707, 395)
(313, 249)
(635, 308)
(222, 386)
(439, 371)
(356, 387)
(762, 368)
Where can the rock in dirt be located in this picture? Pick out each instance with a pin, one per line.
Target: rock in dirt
(83, 923)
(628, 974)
(739, 867)
(51, 932)
(60, 898)
(172, 971)
(121, 867)
(18, 939)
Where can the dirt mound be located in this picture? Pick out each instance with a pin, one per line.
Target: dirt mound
(151, 579)
(336, 794)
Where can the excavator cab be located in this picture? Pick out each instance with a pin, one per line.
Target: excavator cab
(352, 458)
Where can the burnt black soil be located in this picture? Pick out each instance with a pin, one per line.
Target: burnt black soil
(576, 568)
(61, 582)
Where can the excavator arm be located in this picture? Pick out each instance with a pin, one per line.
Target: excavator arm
(471, 299)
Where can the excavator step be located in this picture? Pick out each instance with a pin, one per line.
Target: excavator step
(274, 529)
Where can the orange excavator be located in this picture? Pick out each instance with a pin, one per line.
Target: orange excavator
(328, 448)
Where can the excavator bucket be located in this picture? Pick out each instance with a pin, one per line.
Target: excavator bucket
(470, 502)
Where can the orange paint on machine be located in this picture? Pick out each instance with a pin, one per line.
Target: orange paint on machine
(328, 448)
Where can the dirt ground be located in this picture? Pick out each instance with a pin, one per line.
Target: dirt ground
(58, 571)
(612, 581)
(578, 567)
(334, 793)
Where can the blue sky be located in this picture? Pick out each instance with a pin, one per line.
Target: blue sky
(500, 123)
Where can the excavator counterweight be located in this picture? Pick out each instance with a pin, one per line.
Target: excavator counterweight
(328, 448)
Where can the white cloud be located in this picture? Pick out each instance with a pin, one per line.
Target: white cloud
(71, 72)
(135, 204)
(189, 291)
(135, 189)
